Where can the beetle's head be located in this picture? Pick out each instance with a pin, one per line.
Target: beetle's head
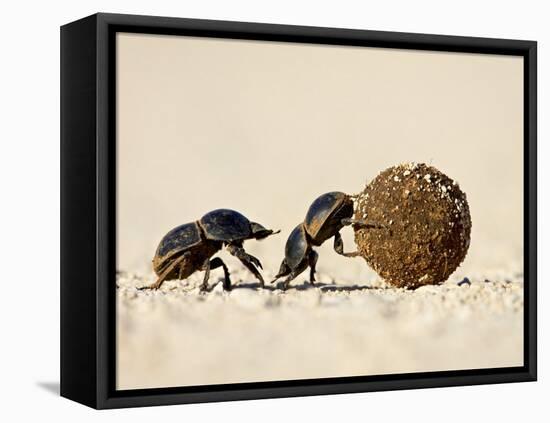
(259, 232)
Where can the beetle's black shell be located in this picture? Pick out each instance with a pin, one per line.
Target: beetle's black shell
(180, 238)
(225, 225)
(323, 218)
(296, 247)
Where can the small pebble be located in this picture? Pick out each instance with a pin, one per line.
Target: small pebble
(464, 281)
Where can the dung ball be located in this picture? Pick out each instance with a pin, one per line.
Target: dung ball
(421, 225)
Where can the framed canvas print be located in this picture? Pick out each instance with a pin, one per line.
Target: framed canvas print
(256, 211)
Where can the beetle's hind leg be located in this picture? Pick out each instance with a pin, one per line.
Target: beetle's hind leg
(339, 246)
(206, 268)
(162, 277)
(312, 260)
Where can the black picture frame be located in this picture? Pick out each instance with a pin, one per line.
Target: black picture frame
(88, 209)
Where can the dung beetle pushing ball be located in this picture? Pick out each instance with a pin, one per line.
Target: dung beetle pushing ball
(326, 216)
(189, 247)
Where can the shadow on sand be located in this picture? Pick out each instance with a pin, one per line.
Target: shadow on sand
(324, 287)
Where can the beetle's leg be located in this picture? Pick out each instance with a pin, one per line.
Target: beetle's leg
(338, 243)
(218, 262)
(247, 260)
(293, 275)
(312, 259)
(254, 271)
(206, 268)
(165, 274)
(284, 270)
(339, 246)
(241, 254)
(361, 223)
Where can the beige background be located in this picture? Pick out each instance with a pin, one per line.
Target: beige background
(265, 128)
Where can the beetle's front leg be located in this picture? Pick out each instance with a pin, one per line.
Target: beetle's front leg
(293, 275)
(339, 246)
(284, 270)
(247, 260)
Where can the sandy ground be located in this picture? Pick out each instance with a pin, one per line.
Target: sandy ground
(178, 336)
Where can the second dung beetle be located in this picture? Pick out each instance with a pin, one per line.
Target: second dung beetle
(189, 247)
(326, 216)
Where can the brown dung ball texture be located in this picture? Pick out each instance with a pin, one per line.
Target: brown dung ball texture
(424, 225)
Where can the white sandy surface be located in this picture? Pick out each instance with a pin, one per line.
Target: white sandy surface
(177, 336)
